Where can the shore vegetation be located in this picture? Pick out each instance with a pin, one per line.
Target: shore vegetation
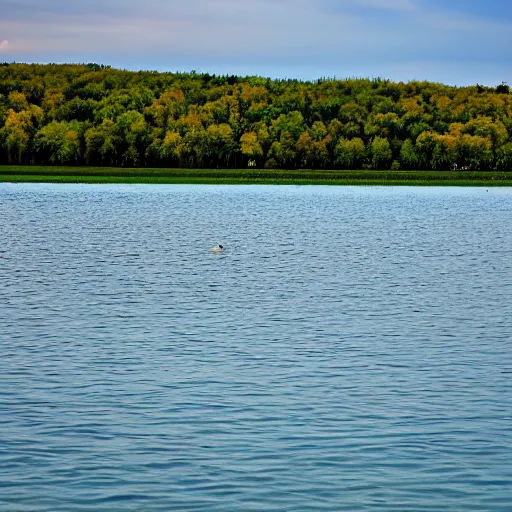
(94, 115)
(60, 174)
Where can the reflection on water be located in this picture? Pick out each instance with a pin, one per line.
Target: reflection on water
(350, 349)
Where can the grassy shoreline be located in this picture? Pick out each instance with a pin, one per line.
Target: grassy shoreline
(61, 174)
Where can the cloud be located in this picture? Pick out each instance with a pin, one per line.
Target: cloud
(398, 5)
(293, 38)
(4, 44)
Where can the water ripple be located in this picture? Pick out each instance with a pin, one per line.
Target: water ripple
(350, 350)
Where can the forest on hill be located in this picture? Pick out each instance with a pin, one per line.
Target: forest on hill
(96, 115)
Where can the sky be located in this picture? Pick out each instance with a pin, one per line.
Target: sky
(457, 42)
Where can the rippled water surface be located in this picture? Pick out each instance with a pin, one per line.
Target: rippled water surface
(350, 350)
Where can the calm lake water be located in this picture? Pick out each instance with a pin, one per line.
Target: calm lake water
(350, 350)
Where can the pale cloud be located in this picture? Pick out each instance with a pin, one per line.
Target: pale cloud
(292, 38)
(4, 44)
(395, 5)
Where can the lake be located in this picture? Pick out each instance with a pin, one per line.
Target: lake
(351, 349)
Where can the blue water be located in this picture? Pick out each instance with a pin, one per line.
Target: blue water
(350, 350)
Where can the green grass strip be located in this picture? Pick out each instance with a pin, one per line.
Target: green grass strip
(252, 176)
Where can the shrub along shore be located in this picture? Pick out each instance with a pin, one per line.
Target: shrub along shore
(18, 174)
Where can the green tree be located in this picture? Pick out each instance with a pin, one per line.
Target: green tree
(18, 132)
(292, 123)
(102, 143)
(350, 153)
(425, 145)
(283, 151)
(217, 147)
(444, 155)
(149, 118)
(313, 153)
(381, 153)
(408, 156)
(132, 136)
(504, 157)
(18, 101)
(474, 151)
(59, 142)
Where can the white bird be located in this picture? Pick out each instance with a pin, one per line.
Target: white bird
(218, 248)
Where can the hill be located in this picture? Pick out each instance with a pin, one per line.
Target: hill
(95, 115)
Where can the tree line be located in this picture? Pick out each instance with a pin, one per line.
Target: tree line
(96, 115)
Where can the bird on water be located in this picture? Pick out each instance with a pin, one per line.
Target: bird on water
(218, 248)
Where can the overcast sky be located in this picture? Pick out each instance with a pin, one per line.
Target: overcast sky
(451, 41)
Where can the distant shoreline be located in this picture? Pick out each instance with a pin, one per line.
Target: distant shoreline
(47, 174)
(94, 115)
